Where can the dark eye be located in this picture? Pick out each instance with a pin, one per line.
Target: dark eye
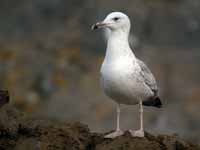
(116, 18)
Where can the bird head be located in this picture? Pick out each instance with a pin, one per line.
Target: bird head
(115, 21)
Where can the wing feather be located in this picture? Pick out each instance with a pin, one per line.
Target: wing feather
(148, 77)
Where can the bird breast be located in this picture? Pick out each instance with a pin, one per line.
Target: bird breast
(119, 82)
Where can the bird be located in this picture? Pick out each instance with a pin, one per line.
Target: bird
(125, 78)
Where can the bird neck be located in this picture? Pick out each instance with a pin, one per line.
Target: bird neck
(118, 46)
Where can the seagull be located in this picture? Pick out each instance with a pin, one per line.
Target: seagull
(125, 78)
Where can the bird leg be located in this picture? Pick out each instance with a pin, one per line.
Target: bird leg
(140, 132)
(118, 131)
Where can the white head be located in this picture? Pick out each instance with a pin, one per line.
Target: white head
(115, 21)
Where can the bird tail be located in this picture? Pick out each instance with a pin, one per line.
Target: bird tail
(156, 102)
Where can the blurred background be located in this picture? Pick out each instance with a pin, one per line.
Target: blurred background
(50, 61)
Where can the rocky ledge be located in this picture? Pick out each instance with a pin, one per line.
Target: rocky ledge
(17, 132)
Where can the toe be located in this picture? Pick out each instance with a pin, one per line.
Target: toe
(137, 133)
(114, 134)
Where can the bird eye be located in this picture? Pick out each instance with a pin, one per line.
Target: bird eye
(116, 18)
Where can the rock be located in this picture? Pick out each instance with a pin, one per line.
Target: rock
(127, 142)
(4, 97)
(21, 133)
(149, 142)
(9, 121)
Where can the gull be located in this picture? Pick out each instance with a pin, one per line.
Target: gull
(125, 78)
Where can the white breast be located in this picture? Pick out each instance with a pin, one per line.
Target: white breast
(118, 82)
(120, 72)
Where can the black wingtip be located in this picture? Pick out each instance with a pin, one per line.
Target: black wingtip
(158, 102)
(153, 102)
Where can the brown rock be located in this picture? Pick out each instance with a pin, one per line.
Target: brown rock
(18, 132)
(4, 97)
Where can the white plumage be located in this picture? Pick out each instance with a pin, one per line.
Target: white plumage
(124, 78)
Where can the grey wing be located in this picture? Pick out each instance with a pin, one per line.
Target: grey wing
(148, 77)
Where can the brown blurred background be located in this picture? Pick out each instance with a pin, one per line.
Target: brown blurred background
(50, 61)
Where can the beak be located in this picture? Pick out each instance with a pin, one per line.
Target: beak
(98, 25)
